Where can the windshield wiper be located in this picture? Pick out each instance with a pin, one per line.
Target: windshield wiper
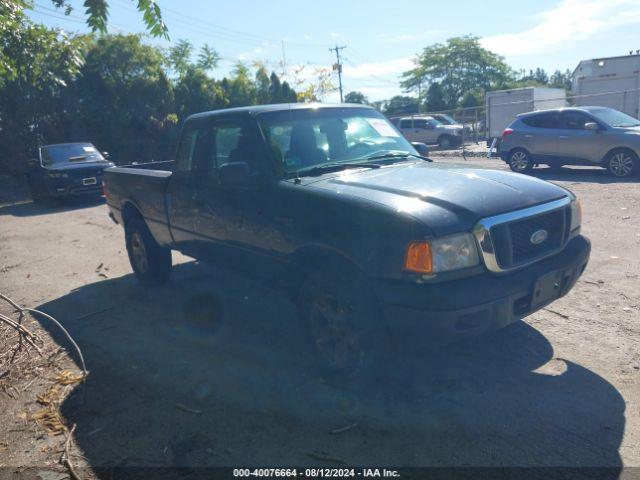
(333, 167)
(398, 155)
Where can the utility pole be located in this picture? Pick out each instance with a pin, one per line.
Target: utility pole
(338, 67)
(284, 61)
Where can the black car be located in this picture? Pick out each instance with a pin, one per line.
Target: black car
(380, 246)
(66, 169)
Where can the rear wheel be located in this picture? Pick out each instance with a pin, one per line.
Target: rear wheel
(150, 262)
(520, 161)
(622, 163)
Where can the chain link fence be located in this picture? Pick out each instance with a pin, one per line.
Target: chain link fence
(479, 124)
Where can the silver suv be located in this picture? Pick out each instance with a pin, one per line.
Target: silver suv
(573, 136)
(426, 129)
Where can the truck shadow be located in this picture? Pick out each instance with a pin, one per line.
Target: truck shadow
(207, 372)
(30, 208)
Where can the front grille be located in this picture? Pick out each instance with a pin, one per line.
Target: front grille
(79, 173)
(513, 240)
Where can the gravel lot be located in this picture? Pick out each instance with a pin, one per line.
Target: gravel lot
(203, 371)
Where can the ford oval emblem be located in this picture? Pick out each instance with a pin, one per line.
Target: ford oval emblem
(538, 237)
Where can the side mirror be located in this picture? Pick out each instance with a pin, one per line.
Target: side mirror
(105, 155)
(421, 148)
(428, 126)
(234, 174)
(591, 126)
(32, 162)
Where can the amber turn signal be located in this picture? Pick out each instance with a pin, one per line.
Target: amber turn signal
(419, 258)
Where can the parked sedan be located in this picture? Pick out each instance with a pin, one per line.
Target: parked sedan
(66, 169)
(573, 136)
(427, 129)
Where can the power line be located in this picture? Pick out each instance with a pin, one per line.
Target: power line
(338, 66)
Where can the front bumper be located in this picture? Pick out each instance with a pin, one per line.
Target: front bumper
(67, 187)
(442, 312)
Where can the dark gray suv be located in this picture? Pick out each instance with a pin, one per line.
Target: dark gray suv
(573, 136)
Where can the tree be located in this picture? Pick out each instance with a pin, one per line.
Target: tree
(37, 65)
(471, 99)
(435, 98)
(401, 105)
(356, 97)
(126, 99)
(98, 12)
(196, 92)
(561, 79)
(458, 66)
(179, 56)
(208, 58)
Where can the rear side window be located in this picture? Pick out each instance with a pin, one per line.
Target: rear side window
(405, 123)
(543, 120)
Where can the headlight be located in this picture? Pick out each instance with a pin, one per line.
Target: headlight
(443, 254)
(576, 216)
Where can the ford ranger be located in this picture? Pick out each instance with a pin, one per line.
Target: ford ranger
(375, 241)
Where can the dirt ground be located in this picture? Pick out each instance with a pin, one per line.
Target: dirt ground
(203, 371)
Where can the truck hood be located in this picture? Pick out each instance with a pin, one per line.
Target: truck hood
(446, 198)
(78, 165)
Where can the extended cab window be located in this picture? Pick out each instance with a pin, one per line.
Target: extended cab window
(542, 120)
(405, 123)
(184, 158)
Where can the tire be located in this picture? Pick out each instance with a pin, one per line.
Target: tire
(445, 141)
(520, 161)
(150, 262)
(342, 325)
(622, 163)
(37, 195)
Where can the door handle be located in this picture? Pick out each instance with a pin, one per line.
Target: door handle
(528, 136)
(563, 136)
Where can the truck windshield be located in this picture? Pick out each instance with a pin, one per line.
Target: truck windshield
(70, 152)
(614, 118)
(306, 138)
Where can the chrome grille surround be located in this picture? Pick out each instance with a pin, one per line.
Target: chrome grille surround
(486, 247)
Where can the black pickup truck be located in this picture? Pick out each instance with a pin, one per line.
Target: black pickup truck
(375, 241)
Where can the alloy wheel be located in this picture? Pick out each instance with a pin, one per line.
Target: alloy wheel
(334, 334)
(519, 161)
(621, 164)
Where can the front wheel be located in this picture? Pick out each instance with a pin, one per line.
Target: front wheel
(37, 194)
(622, 163)
(151, 263)
(520, 161)
(445, 141)
(342, 323)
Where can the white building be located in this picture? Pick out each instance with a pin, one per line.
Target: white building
(503, 106)
(608, 82)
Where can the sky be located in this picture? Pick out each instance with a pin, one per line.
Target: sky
(381, 37)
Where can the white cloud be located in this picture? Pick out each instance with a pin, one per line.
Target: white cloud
(394, 66)
(569, 21)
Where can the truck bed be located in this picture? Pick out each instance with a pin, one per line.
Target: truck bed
(144, 186)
